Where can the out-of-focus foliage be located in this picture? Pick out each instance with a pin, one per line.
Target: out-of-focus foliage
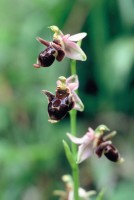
(32, 158)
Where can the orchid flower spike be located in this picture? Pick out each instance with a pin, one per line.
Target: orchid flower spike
(69, 193)
(96, 141)
(65, 98)
(61, 46)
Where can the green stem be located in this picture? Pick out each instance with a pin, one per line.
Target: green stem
(73, 67)
(73, 116)
(75, 173)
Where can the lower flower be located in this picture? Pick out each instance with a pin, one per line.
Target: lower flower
(96, 141)
(68, 194)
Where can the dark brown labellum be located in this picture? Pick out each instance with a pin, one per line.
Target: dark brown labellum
(111, 153)
(47, 57)
(52, 52)
(58, 108)
(108, 150)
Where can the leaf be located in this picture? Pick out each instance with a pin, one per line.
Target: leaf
(100, 195)
(69, 155)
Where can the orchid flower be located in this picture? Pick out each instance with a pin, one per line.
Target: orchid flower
(72, 83)
(65, 98)
(96, 141)
(69, 193)
(61, 46)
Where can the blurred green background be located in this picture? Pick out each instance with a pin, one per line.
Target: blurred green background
(32, 158)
